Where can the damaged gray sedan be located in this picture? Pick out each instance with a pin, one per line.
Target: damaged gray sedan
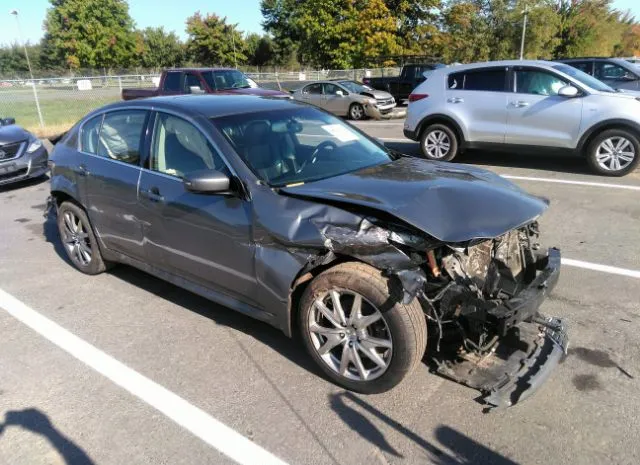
(284, 212)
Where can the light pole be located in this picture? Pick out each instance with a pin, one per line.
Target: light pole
(233, 41)
(524, 31)
(26, 54)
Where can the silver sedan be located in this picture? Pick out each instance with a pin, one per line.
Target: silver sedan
(347, 98)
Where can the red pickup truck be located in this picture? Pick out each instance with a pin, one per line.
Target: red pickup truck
(202, 81)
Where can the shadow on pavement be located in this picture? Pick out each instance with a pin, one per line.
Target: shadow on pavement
(22, 184)
(35, 421)
(557, 162)
(464, 450)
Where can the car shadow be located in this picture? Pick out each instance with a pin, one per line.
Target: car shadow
(37, 422)
(557, 162)
(23, 184)
(452, 448)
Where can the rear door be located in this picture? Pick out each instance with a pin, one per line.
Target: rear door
(112, 144)
(478, 97)
(313, 94)
(205, 238)
(537, 115)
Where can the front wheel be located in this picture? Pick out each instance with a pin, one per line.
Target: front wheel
(357, 329)
(439, 142)
(614, 152)
(356, 112)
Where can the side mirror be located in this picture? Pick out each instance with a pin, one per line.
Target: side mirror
(207, 182)
(628, 76)
(339, 93)
(196, 90)
(568, 92)
(7, 121)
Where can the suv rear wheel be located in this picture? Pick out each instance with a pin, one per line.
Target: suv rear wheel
(439, 142)
(78, 239)
(356, 328)
(614, 152)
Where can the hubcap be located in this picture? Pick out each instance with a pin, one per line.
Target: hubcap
(437, 144)
(76, 239)
(615, 153)
(356, 112)
(350, 335)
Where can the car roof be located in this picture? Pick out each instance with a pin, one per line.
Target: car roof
(491, 64)
(199, 69)
(209, 106)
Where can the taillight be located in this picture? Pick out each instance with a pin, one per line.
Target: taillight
(416, 97)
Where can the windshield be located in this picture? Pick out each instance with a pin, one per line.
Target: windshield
(226, 79)
(299, 145)
(584, 78)
(355, 87)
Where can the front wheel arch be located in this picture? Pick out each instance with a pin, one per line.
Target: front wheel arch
(595, 130)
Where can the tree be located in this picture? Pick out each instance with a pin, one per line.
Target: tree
(213, 41)
(160, 49)
(89, 33)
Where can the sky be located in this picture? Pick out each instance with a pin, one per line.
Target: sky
(154, 13)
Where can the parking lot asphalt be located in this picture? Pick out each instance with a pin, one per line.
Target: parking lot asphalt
(55, 408)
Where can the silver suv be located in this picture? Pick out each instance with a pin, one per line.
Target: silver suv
(529, 106)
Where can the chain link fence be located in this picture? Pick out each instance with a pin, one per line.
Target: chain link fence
(49, 106)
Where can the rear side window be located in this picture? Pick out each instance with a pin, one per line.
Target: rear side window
(172, 82)
(313, 89)
(89, 135)
(584, 66)
(492, 80)
(121, 135)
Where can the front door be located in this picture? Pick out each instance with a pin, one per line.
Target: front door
(335, 102)
(205, 238)
(110, 170)
(537, 115)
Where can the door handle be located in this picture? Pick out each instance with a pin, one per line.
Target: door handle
(455, 100)
(520, 104)
(83, 171)
(153, 194)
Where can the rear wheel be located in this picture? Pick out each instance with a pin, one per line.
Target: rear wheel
(357, 329)
(439, 142)
(356, 112)
(78, 239)
(614, 152)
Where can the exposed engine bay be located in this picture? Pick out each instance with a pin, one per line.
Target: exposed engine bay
(480, 299)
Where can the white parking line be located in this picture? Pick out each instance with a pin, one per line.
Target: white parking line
(201, 424)
(577, 183)
(397, 139)
(602, 268)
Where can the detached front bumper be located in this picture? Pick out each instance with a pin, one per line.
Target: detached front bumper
(529, 348)
(378, 112)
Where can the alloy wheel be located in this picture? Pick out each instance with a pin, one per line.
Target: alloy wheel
(350, 335)
(357, 112)
(437, 144)
(615, 153)
(76, 239)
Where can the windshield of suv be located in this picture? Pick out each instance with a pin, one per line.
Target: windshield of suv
(226, 79)
(355, 87)
(299, 145)
(584, 78)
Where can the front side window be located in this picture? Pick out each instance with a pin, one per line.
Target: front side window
(90, 135)
(284, 147)
(583, 78)
(180, 148)
(537, 82)
(121, 135)
(332, 89)
(172, 82)
(611, 71)
(191, 82)
(490, 80)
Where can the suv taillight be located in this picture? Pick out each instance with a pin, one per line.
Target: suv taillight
(416, 97)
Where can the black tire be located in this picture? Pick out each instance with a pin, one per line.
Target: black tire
(405, 324)
(448, 140)
(594, 150)
(78, 242)
(356, 112)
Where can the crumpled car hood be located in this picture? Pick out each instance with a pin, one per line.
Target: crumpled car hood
(12, 133)
(451, 203)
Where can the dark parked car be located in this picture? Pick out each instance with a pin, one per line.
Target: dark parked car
(22, 155)
(202, 81)
(286, 213)
(615, 72)
(401, 86)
